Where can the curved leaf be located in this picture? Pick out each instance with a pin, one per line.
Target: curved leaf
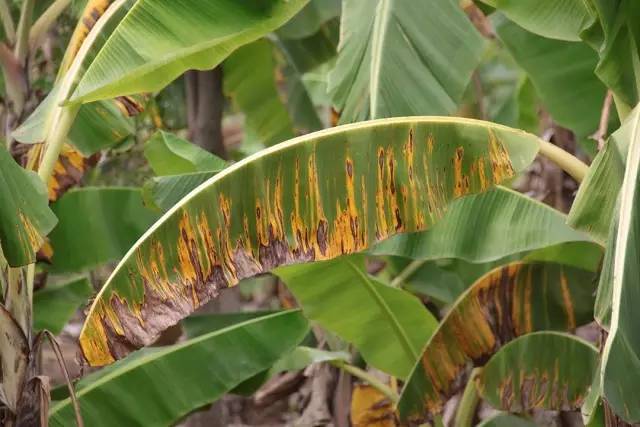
(190, 34)
(621, 354)
(386, 45)
(507, 302)
(25, 217)
(555, 19)
(569, 90)
(383, 328)
(474, 229)
(168, 154)
(203, 369)
(542, 370)
(595, 205)
(614, 36)
(163, 192)
(314, 197)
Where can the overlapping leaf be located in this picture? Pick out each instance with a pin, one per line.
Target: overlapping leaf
(249, 80)
(312, 198)
(569, 90)
(191, 34)
(556, 19)
(487, 219)
(383, 328)
(507, 302)
(621, 355)
(25, 217)
(542, 370)
(395, 58)
(595, 205)
(203, 369)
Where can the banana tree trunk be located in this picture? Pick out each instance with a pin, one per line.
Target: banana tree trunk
(205, 105)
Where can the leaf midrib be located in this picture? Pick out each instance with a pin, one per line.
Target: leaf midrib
(407, 346)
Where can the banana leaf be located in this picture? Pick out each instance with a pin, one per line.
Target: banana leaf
(379, 320)
(315, 197)
(202, 368)
(506, 303)
(621, 354)
(25, 217)
(542, 370)
(155, 41)
(395, 59)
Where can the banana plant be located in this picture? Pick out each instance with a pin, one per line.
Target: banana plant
(349, 218)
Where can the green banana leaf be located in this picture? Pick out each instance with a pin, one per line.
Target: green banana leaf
(161, 193)
(298, 59)
(250, 82)
(25, 217)
(507, 302)
(379, 320)
(614, 35)
(201, 324)
(97, 225)
(315, 197)
(569, 90)
(620, 357)
(542, 370)
(506, 420)
(169, 154)
(310, 19)
(56, 304)
(156, 41)
(388, 44)
(202, 368)
(594, 208)
(555, 19)
(488, 217)
(99, 125)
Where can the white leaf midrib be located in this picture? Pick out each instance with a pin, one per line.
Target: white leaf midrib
(379, 32)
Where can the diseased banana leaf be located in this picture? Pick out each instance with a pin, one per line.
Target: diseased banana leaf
(507, 302)
(395, 58)
(379, 320)
(156, 41)
(315, 197)
(98, 125)
(542, 370)
(487, 217)
(621, 355)
(25, 217)
(203, 369)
